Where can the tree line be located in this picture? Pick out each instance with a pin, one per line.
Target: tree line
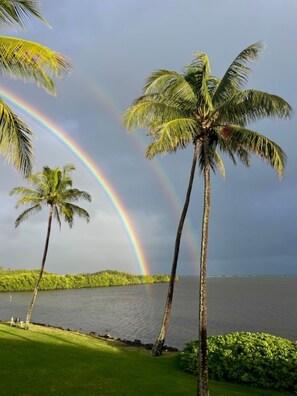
(25, 280)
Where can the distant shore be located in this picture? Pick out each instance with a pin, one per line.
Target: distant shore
(25, 280)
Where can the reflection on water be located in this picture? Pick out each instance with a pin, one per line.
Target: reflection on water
(135, 312)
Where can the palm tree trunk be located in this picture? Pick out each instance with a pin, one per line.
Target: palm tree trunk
(202, 389)
(29, 313)
(158, 346)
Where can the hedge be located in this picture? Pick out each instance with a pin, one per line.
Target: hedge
(256, 359)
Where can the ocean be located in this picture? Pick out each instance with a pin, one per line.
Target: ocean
(257, 304)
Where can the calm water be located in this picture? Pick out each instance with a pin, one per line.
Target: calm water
(253, 304)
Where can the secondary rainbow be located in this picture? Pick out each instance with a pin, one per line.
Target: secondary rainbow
(90, 165)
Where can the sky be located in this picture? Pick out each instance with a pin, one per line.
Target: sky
(114, 45)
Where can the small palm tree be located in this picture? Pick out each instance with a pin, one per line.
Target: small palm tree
(53, 188)
(29, 62)
(196, 107)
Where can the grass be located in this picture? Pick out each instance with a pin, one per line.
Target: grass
(47, 361)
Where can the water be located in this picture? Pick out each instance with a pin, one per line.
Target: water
(266, 304)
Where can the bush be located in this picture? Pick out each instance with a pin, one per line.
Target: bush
(257, 359)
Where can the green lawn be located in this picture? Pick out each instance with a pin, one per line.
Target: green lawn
(46, 361)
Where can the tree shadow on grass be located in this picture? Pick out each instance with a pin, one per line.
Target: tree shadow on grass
(56, 335)
(14, 333)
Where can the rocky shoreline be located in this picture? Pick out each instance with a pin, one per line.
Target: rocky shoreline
(135, 343)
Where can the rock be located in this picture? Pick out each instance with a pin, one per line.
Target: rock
(169, 349)
(107, 336)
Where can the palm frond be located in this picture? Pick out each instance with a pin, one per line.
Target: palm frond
(19, 11)
(251, 105)
(29, 196)
(176, 89)
(31, 62)
(74, 195)
(56, 180)
(237, 74)
(212, 84)
(23, 191)
(159, 81)
(27, 213)
(148, 111)
(57, 215)
(171, 135)
(29, 199)
(261, 146)
(15, 140)
(219, 163)
(243, 155)
(231, 147)
(68, 210)
(39, 183)
(67, 169)
(197, 74)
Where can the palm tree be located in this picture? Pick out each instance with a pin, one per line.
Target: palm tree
(196, 107)
(53, 188)
(29, 62)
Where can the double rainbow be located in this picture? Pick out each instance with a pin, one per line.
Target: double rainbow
(93, 168)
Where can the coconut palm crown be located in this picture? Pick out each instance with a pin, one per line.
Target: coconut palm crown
(182, 108)
(29, 62)
(178, 109)
(53, 188)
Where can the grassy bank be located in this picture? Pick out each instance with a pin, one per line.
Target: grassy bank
(47, 361)
(25, 280)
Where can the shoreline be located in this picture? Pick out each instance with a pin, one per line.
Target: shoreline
(135, 343)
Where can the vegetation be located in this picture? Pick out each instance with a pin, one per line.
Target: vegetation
(53, 188)
(197, 108)
(25, 280)
(26, 61)
(256, 359)
(92, 366)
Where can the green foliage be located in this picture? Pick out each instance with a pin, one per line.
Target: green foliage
(25, 280)
(30, 62)
(257, 359)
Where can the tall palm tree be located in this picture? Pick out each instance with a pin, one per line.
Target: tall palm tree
(196, 107)
(29, 62)
(53, 188)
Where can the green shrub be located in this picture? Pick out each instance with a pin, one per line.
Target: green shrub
(257, 359)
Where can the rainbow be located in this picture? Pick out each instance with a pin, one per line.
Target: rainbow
(93, 168)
